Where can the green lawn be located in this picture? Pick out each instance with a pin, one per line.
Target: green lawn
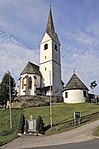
(60, 112)
(96, 132)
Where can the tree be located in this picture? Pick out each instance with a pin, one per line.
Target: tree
(40, 125)
(21, 123)
(4, 88)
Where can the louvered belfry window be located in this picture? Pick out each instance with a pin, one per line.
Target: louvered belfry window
(45, 46)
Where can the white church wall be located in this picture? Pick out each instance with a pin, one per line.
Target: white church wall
(46, 60)
(74, 96)
(46, 69)
(45, 55)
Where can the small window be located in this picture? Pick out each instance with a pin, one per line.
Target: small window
(29, 83)
(35, 77)
(45, 46)
(84, 93)
(66, 94)
(45, 57)
(45, 68)
(56, 47)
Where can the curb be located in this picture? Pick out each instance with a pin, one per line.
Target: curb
(90, 134)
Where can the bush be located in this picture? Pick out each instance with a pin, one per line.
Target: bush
(21, 124)
(40, 125)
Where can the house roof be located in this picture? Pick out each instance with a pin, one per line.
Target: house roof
(75, 83)
(31, 69)
(50, 28)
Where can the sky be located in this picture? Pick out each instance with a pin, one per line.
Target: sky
(76, 22)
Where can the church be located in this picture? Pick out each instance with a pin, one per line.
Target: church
(44, 79)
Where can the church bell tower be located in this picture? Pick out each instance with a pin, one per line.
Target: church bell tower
(50, 64)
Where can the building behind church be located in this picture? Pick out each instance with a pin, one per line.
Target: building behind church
(46, 78)
(75, 91)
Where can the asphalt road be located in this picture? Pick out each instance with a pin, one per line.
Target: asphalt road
(69, 138)
(93, 144)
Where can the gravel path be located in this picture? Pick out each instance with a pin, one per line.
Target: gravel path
(79, 134)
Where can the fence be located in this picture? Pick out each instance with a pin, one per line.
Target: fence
(69, 124)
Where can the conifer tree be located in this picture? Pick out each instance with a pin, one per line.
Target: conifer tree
(4, 88)
(21, 123)
(40, 125)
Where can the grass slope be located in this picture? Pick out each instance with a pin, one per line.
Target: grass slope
(60, 112)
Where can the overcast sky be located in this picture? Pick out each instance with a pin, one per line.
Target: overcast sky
(22, 26)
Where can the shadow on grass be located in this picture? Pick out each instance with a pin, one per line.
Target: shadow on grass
(47, 127)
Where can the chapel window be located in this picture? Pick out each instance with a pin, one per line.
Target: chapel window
(66, 94)
(29, 83)
(22, 83)
(46, 46)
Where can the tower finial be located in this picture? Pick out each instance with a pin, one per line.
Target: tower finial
(73, 71)
(50, 4)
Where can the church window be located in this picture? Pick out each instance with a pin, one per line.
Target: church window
(29, 83)
(56, 47)
(35, 77)
(66, 94)
(45, 46)
(22, 83)
(84, 93)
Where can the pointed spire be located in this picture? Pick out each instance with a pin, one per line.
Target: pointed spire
(50, 25)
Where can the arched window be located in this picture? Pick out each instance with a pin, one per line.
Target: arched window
(29, 83)
(56, 47)
(45, 46)
(22, 83)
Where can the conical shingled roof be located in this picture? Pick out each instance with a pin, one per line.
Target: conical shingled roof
(31, 69)
(75, 83)
(50, 28)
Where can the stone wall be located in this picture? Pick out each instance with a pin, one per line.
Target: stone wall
(30, 101)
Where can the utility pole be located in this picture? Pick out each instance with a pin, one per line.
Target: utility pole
(10, 101)
(50, 101)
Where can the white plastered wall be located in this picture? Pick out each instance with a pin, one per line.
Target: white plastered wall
(74, 96)
(46, 60)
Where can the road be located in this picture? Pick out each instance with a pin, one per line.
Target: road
(77, 135)
(93, 144)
